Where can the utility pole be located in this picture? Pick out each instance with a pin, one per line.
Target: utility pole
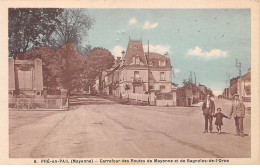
(190, 77)
(238, 65)
(148, 83)
(195, 78)
(225, 90)
(229, 85)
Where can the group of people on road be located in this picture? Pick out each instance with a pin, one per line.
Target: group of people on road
(237, 111)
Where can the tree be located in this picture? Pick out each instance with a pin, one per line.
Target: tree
(186, 82)
(72, 27)
(30, 28)
(99, 60)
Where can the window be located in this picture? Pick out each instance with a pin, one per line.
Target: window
(136, 60)
(162, 76)
(162, 88)
(161, 62)
(136, 75)
(151, 63)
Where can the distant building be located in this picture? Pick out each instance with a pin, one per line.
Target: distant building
(241, 85)
(191, 94)
(202, 88)
(234, 86)
(244, 89)
(226, 93)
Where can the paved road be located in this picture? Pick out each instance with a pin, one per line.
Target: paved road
(101, 128)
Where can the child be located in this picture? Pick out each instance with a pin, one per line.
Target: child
(219, 116)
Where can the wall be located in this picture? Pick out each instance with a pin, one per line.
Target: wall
(167, 85)
(156, 75)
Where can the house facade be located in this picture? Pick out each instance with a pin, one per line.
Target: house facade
(241, 86)
(139, 72)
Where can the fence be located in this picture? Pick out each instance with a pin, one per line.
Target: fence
(165, 99)
(159, 99)
(39, 104)
(137, 97)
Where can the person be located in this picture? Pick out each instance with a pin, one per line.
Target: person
(208, 108)
(219, 116)
(238, 112)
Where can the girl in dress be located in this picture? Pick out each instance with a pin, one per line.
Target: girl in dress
(219, 116)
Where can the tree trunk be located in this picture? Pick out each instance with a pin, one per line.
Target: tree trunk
(100, 82)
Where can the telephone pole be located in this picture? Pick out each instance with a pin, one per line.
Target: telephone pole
(238, 65)
(148, 68)
(229, 86)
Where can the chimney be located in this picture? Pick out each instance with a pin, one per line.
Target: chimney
(123, 55)
(166, 54)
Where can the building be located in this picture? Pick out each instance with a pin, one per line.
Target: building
(234, 86)
(140, 72)
(241, 86)
(244, 86)
(226, 93)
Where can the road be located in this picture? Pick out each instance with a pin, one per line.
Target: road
(96, 128)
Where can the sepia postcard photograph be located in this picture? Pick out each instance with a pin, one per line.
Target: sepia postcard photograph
(130, 83)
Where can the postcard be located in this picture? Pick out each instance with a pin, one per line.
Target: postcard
(126, 83)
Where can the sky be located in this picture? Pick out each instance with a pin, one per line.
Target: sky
(204, 41)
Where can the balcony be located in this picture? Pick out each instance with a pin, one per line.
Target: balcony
(137, 81)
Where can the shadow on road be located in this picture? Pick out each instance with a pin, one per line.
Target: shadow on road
(90, 103)
(90, 100)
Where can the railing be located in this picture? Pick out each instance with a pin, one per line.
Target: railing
(138, 97)
(137, 80)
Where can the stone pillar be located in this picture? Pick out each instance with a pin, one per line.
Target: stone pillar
(38, 76)
(64, 92)
(174, 98)
(11, 76)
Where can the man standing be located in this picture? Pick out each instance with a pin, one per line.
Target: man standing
(238, 112)
(208, 108)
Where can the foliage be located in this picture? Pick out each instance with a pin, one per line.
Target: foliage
(55, 36)
(186, 82)
(127, 87)
(99, 60)
(30, 28)
(72, 27)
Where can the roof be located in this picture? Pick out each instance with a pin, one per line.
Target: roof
(135, 48)
(174, 84)
(155, 57)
